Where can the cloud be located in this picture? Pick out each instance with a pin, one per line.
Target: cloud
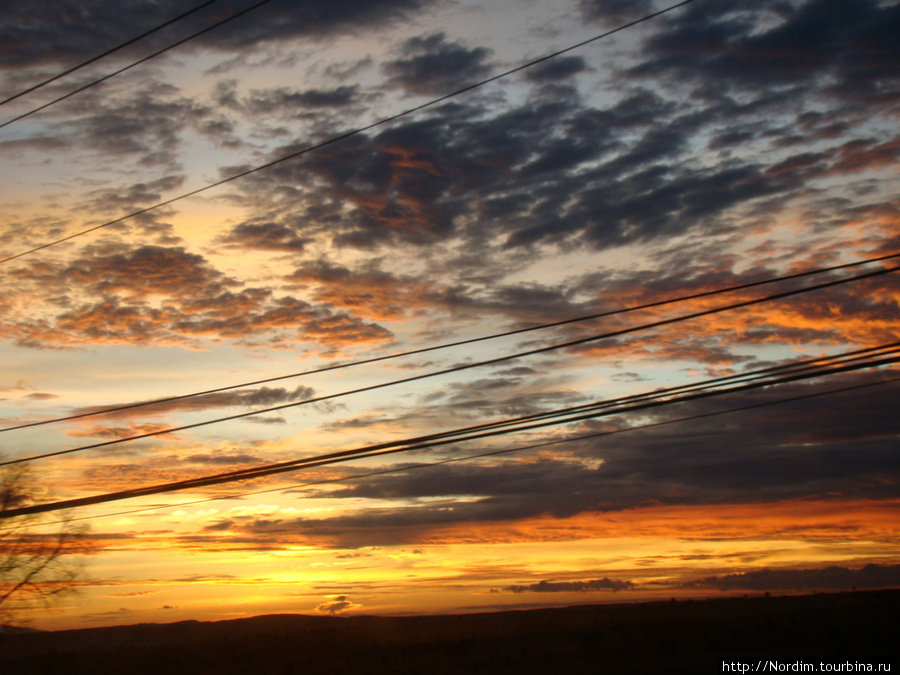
(729, 132)
(339, 604)
(265, 237)
(557, 69)
(137, 194)
(40, 396)
(843, 451)
(223, 458)
(556, 174)
(287, 103)
(810, 42)
(603, 584)
(372, 293)
(263, 397)
(146, 271)
(38, 39)
(132, 594)
(119, 432)
(614, 13)
(271, 419)
(22, 386)
(144, 125)
(827, 578)
(164, 295)
(431, 65)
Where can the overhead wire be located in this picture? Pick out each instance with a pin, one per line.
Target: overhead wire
(424, 465)
(108, 52)
(460, 368)
(469, 341)
(803, 368)
(853, 363)
(335, 139)
(94, 83)
(475, 432)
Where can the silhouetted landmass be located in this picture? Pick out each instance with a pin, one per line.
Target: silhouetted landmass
(16, 630)
(669, 637)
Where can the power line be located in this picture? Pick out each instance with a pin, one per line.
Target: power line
(804, 368)
(190, 37)
(455, 436)
(477, 432)
(459, 368)
(341, 137)
(492, 453)
(518, 331)
(109, 51)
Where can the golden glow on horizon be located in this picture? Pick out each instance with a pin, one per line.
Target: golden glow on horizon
(661, 550)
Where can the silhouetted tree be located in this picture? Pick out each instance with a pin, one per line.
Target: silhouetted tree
(36, 567)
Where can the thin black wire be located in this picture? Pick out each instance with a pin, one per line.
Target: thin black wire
(109, 51)
(111, 75)
(492, 453)
(408, 445)
(518, 331)
(805, 365)
(459, 368)
(477, 432)
(809, 368)
(341, 137)
(791, 372)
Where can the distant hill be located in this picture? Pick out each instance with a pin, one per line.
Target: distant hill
(16, 630)
(669, 637)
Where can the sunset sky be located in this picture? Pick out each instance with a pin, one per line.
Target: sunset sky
(722, 143)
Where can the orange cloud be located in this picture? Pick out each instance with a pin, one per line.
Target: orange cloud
(807, 520)
(372, 294)
(164, 296)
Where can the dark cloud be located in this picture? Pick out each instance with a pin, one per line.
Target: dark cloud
(265, 237)
(810, 42)
(433, 65)
(146, 124)
(113, 432)
(223, 458)
(135, 195)
(147, 271)
(309, 99)
(263, 397)
(828, 578)
(603, 584)
(550, 173)
(61, 32)
(555, 172)
(274, 419)
(412, 183)
(313, 20)
(844, 449)
(285, 103)
(557, 69)
(614, 13)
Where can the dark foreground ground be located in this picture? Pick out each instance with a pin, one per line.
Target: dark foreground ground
(839, 630)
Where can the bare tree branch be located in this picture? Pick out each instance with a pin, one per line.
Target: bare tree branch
(35, 568)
